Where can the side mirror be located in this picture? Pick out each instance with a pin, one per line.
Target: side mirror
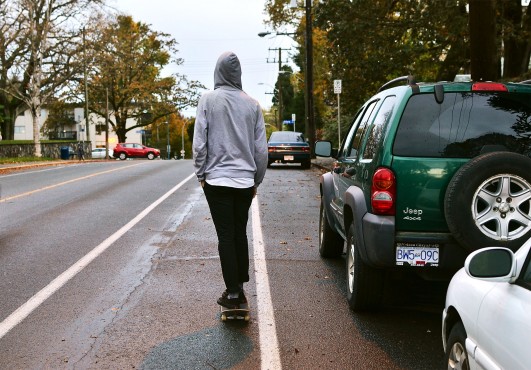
(323, 148)
(493, 264)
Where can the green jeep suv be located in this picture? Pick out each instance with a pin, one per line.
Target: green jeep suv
(427, 173)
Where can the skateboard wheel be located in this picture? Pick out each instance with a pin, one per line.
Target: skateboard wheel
(223, 317)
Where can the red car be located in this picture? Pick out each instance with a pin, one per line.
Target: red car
(133, 150)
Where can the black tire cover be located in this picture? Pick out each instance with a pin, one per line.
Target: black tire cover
(487, 202)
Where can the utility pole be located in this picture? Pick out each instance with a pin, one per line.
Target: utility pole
(280, 111)
(310, 122)
(86, 88)
(168, 146)
(106, 123)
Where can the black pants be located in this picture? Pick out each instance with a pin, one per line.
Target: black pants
(230, 212)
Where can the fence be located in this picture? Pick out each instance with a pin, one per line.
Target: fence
(48, 150)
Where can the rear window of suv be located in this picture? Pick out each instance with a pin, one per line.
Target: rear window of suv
(464, 125)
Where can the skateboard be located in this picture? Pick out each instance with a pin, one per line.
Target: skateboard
(241, 313)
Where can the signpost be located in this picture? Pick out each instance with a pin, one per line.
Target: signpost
(337, 90)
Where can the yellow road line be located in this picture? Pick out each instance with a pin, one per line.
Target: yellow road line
(64, 183)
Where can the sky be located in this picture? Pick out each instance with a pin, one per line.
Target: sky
(204, 29)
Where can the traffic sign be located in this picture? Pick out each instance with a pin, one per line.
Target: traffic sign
(337, 86)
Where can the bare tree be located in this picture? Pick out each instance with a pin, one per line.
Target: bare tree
(12, 31)
(49, 40)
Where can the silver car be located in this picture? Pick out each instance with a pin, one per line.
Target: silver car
(99, 153)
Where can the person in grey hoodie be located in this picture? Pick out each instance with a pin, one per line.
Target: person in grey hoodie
(230, 159)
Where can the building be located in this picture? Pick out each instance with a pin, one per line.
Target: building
(77, 130)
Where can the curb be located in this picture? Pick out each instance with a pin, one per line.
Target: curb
(7, 168)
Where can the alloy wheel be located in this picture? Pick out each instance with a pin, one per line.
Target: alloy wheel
(458, 359)
(502, 207)
(350, 266)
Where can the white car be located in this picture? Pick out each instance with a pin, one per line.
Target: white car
(487, 316)
(100, 153)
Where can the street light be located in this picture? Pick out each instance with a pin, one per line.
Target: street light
(263, 34)
(292, 74)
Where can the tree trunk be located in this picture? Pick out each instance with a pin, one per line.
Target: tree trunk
(120, 132)
(483, 50)
(36, 132)
(513, 40)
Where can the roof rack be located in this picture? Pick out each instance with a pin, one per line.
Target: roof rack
(410, 80)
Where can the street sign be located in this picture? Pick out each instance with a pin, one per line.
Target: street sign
(337, 86)
(337, 91)
(288, 122)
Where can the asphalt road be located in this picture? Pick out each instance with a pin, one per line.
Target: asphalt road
(114, 265)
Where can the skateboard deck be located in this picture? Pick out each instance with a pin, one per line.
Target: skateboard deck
(241, 313)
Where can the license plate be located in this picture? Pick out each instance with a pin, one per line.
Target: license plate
(417, 254)
(288, 158)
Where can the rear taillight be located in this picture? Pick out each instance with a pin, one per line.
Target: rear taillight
(383, 192)
(488, 86)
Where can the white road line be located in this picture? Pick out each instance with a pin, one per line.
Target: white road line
(40, 297)
(269, 353)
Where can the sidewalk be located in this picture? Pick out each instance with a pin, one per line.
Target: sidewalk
(323, 163)
(12, 167)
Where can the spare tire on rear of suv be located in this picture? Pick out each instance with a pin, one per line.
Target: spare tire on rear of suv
(488, 201)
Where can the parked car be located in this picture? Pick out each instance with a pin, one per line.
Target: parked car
(427, 173)
(487, 317)
(133, 150)
(99, 153)
(288, 147)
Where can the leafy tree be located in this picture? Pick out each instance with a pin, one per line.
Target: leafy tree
(279, 16)
(399, 38)
(283, 85)
(516, 35)
(127, 61)
(365, 43)
(174, 125)
(59, 117)
(295, 102)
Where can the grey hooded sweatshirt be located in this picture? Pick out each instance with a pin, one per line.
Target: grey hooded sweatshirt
(229, 136)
